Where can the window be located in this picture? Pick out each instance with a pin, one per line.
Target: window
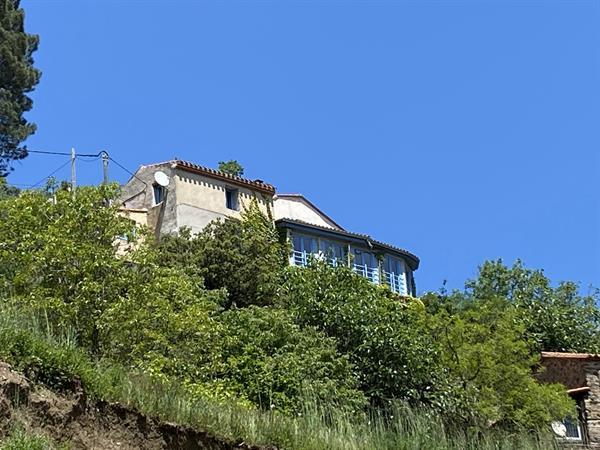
(159, 193)
(364, 258)
(568, 429)
(231, 199)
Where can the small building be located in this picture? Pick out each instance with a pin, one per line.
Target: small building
(580, 374)
(174, 194)
(191, 196)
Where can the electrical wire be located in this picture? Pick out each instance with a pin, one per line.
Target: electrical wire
(45, 178)
(127, 170)
(44, 152)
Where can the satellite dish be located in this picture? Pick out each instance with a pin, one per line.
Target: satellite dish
(559, 429)
(161, 178)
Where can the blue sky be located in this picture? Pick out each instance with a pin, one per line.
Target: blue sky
(460, 130)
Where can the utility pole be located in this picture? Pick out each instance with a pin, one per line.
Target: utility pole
(73, 174)
(104, 167)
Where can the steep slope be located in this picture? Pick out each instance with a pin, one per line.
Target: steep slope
(68, 416)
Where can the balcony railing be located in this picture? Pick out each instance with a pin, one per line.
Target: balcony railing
(370, 273)
(396, 281)
(302, 258)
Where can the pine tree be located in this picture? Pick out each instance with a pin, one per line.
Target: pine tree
(17, 78)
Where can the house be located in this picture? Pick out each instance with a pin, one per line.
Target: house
(580, 374)
(174, 194)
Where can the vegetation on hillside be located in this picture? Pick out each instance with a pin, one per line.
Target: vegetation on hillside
(219, 319)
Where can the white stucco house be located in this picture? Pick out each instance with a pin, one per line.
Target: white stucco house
(195, 195)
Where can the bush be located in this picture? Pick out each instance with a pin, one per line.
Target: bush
(384, 337)
(242, 256)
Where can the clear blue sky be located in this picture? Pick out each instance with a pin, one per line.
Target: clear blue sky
(460, 130)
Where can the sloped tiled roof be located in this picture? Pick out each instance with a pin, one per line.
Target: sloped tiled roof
(414, 259)
(207, 171)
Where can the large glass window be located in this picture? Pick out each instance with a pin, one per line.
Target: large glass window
(331, 249)
(393, 265)
(304, 246)
(364, 258)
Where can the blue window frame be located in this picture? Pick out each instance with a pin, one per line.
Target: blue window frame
(231, 199)
(159, 193)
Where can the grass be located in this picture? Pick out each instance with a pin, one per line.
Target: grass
(52, 357)
(19, 439)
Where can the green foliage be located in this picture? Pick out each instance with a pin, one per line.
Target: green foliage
(6, 190)
(483, 348)
(276, 363)
(384, 338)
(242, 256)
(331, 428)
(221, 316)
(17, 78)
(232, 167)
(19, 439)
(61, 255)
(555, 319)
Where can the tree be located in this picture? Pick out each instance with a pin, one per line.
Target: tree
(6, 190)
(555, 318)
(232, 167)
(61, 256)
(17, 78)
(383, 337)
(243, 256)
(483, 348)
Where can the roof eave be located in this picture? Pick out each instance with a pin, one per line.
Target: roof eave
(238, 181)
(352, 237)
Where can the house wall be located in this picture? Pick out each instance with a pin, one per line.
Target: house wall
(576, 373)
(592, 402)
(137, 193)
(297, 209)
(201, 199)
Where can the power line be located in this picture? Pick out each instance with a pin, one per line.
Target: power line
(44, 152)
(127, 170)
(45, 178)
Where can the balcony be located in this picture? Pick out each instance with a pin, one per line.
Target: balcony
(395, 281)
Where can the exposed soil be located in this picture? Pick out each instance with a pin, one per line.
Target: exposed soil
(68, 416)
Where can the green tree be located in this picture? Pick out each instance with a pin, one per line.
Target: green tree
(384, 338)
(555, 318)
(17, 78)
(276, 363)
(243, 256)
(232, 167)
(484, 350)
(59, 255)
(6, 190)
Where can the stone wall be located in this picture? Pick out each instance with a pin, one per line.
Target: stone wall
(592, 402)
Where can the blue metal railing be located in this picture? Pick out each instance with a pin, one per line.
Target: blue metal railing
(396, 281)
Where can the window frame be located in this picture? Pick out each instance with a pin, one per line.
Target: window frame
(161, 191)
(232, 196)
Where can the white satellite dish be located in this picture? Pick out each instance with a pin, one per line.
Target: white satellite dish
(559, 429)
(161, 178)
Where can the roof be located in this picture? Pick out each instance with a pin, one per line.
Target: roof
(567, 355)
(312, 205)
(258, 185)
(368, 240)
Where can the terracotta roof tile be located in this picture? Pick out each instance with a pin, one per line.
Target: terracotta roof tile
(202, 170)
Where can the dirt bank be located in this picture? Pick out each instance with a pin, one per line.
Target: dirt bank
(68, 416)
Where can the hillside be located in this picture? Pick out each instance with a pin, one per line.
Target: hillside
(69, 417)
